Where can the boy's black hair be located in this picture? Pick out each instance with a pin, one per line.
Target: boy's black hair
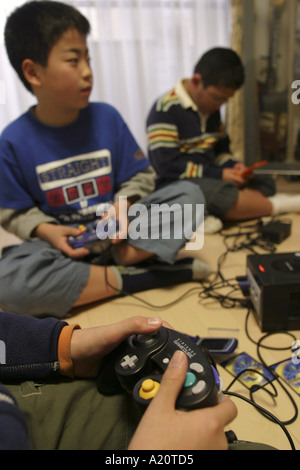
(221, 67)
(33, 29)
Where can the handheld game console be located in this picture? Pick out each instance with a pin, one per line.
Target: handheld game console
(95, 236)
(138, 364)
(249, 171)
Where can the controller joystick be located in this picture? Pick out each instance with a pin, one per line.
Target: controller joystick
(142, 360)
(141, 341)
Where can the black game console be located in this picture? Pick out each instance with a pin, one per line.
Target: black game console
(275, 290)
(276, 232)
(136, 367)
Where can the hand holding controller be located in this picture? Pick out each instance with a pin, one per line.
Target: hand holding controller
(95, 236)
(139, 359)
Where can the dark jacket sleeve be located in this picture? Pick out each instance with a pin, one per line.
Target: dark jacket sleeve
(28, 347)
(13, 428)
(28, 350)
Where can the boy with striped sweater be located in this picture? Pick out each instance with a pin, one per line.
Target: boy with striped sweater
(187, 141)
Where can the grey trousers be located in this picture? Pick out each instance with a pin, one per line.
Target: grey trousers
(37, 279)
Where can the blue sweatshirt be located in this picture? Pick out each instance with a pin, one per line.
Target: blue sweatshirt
(29, 350)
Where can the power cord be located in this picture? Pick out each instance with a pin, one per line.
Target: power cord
(261, 346)
(266, 413)
(274, 393)
(247, 237)
(145, 302)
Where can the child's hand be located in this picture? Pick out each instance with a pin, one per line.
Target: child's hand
(58, 235)
(240, 167)
(163, 427)
(118, 211)
(234, 176)
(90, 345)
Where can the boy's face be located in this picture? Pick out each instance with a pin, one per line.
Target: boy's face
(211, 98)
(66, 81)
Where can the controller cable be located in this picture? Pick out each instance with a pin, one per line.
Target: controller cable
(145, 302)
(211, 289)
(246, 238)
(269, 381)
(268, 368)
(231, 437)
(263, 411)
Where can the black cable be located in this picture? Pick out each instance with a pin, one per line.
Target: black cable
(211, 288)
(268, 381)
(251, 241)
(149, 304)
(272, 348)
(274, 376)
(266, 412)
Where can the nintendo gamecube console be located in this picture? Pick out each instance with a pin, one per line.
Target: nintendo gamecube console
(275, 290)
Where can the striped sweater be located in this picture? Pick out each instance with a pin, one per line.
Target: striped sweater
(184, 144)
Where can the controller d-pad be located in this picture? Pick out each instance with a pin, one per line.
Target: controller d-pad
(129, 362)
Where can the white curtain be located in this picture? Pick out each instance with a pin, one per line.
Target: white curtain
(139, 49)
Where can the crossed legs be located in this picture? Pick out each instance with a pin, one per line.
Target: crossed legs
(102, 282)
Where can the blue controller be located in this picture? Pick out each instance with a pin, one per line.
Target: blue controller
(140, 362)
(95, 236)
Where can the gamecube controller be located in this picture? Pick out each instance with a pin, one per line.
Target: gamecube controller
(95, 236)
(138, 364)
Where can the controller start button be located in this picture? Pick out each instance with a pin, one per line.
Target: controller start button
(149, 389)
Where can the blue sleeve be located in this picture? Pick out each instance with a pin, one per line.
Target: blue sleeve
(13, 192)
(13, 429)
(29, 347)
(28, 350)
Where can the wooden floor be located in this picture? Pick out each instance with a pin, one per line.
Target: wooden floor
(194, 315)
